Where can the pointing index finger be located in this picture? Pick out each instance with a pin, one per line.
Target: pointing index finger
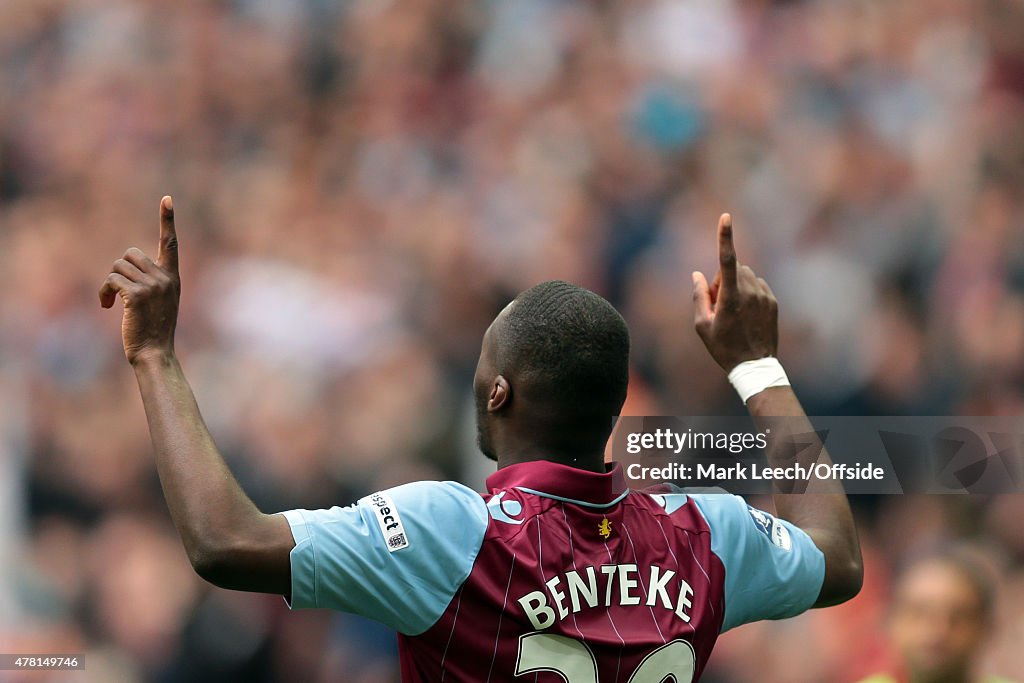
(726, 254)
(167, 253)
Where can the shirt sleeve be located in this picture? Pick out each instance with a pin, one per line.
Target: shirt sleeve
(397, 556)
(773, 570)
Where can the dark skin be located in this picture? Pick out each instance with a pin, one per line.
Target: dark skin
(515, 431)
(228, 540)
(232, 544)
(737, 319)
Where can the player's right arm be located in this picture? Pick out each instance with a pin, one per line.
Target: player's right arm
(737, 318)
(397, 556)
(228, 540)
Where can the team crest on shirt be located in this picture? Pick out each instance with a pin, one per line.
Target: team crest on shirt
(604, 529)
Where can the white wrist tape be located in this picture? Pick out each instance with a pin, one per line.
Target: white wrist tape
(754, 376)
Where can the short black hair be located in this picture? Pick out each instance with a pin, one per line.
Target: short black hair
(568, 350)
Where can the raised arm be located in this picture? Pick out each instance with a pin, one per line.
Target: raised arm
(229, 541)
(737, 318)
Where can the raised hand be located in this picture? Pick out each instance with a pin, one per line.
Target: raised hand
(150, 292)
(737, 315)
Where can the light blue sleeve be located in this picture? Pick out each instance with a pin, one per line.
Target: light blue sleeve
(773, 570)
(397, 556)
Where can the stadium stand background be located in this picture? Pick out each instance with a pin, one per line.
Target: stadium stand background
(360, 186)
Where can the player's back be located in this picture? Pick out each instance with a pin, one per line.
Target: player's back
(580, 579)
(577, 577)
(555, 574)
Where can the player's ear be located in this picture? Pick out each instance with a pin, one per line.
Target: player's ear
(501, 393)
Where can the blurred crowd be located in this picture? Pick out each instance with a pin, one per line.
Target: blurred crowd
(361, 185)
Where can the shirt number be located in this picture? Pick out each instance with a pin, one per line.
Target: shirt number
(573, 660)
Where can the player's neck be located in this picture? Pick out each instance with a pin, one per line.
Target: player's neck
(590, 462)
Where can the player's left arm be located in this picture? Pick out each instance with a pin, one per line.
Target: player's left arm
(737, 318)
(228, 540)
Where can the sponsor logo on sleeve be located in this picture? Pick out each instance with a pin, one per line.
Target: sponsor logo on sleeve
(389, 521)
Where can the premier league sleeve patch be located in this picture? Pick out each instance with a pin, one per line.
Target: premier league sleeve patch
(776, 532)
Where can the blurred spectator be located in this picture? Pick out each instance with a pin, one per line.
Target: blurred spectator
(942, 612)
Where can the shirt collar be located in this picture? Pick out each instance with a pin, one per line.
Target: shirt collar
(562, 482)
